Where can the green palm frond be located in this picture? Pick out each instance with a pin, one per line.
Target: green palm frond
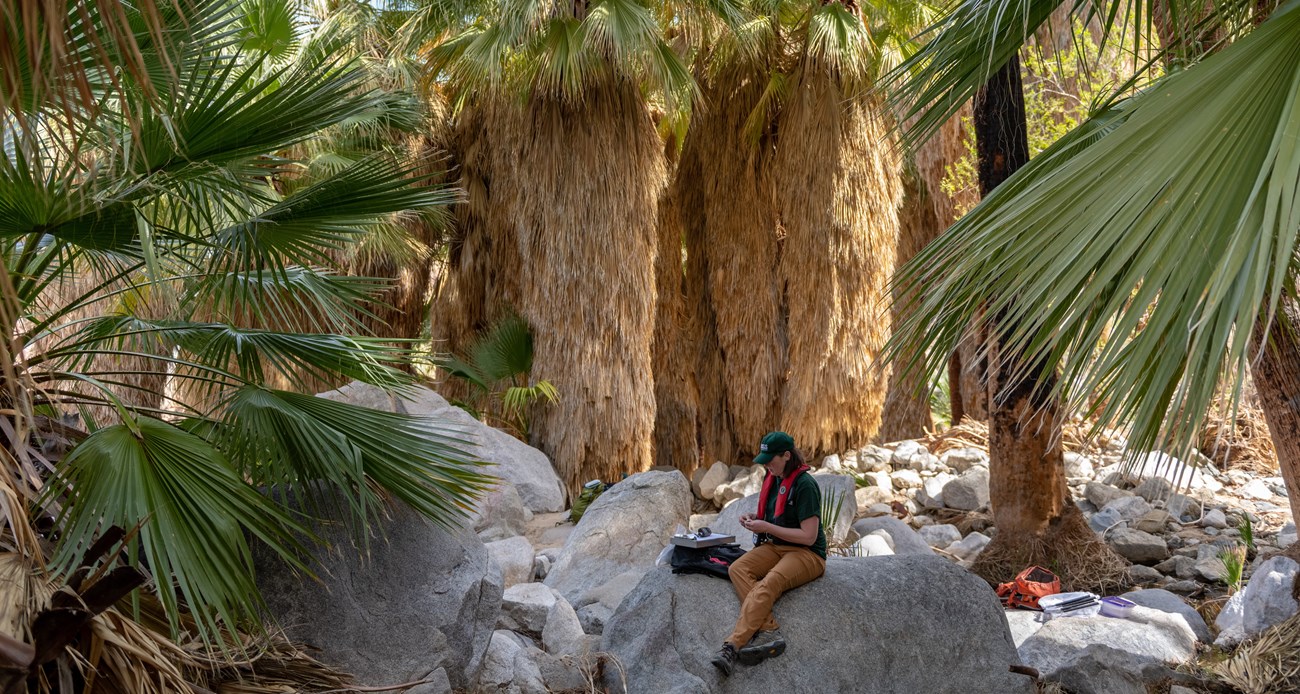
(977, 37)
(314, 300)
(505, 351)
(144, 225)
(325, 215)
(552, 50)
(62, 59)
(193, 509)
(838, 40)
(1137, 254)
(256, 353)
(281, 437)
(516, 399)
(268, 27)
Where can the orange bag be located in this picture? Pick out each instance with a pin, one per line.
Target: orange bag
(1030, 585)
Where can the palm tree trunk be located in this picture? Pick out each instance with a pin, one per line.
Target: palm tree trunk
(1028, 496)
(729, 221)
(838, 189)
(1277, 379)
(1027, 472)
(560, 226)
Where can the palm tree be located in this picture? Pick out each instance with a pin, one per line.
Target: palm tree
(563, 167)
(1140, 254)
(787, 193)
(166, 182)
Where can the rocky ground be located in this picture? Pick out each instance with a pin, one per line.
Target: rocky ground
(526, 602)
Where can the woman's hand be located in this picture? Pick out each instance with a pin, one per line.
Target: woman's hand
(757, 526)
(746, 517)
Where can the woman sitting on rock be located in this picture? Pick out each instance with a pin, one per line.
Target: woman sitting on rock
(789, 551)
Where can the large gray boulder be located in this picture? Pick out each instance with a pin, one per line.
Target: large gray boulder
(728, 522)
(1165, 601)
(500, 513)
(1266, 600)
(1137, 546)
(870, 626)
(625, 528)
(424, 599)
(841, 488)
(514, 461)
(514, 559)
(1099, 644)
(510, 668)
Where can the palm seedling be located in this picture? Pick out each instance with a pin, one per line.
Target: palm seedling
(496, 368)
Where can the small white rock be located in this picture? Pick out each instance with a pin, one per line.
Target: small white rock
(1215, 518)
(905, 479)
(940, 536)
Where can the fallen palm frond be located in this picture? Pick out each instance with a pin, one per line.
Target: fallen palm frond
(1269, 664)
(965, 521)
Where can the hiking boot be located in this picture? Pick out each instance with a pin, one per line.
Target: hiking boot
(764, 645)
(725, 660)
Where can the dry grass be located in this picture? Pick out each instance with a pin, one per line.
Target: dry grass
(560, 224)
(838, 190)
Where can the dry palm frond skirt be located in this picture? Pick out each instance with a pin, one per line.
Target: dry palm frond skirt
(559, 225)
(927, 210)
(791, 234)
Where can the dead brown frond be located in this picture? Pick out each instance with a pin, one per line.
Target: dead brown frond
(1269, 664)
(1239, 438)
(560, 227)
(273, 665)
(969, 433)
(965, 521)
(60, 54)
(838, 190)
(1210, 608)
(1068, 548)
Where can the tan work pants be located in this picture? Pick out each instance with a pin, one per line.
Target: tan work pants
(761, 576)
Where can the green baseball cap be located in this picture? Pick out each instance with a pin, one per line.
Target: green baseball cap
(774, 443)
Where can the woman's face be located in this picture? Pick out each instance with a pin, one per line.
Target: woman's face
(777, 464)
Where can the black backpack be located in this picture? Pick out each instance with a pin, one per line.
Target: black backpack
(711, 561)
